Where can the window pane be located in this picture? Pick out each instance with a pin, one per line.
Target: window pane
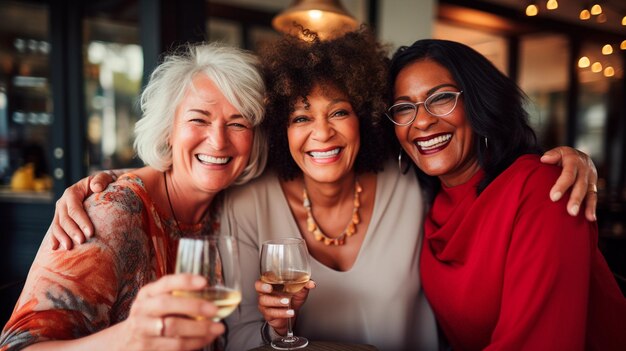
(543, 77)
(598, 90)
(113, 74)
(25, 102)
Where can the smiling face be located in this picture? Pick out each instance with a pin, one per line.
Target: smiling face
(211, 141)
(323, 134)
(439, 146)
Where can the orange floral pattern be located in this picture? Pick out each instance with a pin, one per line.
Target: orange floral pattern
(71, 294)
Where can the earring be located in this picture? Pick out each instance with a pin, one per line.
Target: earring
(405, 169)
(486, 144)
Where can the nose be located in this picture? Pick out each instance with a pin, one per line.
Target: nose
(322, 130)
(423, 119)
(218, 136)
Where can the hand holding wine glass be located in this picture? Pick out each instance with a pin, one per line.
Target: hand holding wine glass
(285, 266)
(216, 258)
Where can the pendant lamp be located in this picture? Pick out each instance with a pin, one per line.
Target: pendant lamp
(328, 18)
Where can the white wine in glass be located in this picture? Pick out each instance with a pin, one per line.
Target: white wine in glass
(285, 265)
(216, 258)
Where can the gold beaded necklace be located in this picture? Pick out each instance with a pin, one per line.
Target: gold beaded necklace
(314, 229)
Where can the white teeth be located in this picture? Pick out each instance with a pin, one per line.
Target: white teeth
(325, 154)
(212, 159)
(431, 143)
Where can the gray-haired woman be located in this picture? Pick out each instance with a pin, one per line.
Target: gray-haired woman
(199, 134)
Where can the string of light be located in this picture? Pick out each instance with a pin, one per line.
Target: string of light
(597, 10)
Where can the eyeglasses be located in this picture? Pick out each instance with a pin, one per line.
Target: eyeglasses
(439, 104)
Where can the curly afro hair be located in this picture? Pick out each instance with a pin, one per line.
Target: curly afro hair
(356, 64)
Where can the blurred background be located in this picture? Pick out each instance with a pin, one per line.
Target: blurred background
(71, 72)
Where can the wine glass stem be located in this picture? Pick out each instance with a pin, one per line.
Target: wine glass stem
(289, 330)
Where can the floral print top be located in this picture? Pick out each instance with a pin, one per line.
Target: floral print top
(71, 294)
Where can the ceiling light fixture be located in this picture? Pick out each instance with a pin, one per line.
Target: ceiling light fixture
(596, 67)
(584, 62)
(552, 5)
(596, 9)
(328, 18)
(532, 9)
(584, 14)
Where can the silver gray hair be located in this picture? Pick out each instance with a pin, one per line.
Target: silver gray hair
(236, 74)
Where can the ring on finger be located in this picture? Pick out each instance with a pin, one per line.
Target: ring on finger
(593, 189)
(160, 327)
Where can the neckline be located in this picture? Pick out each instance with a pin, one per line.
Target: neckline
(373, 219)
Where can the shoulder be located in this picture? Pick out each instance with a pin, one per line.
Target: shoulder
(124, 195)
(262, 187)
(391, 179)
(526, 182)
(531, 174)
(118, 212)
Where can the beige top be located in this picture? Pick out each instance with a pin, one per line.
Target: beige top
(378, 301)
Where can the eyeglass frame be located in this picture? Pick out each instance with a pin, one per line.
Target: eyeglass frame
(416, 105)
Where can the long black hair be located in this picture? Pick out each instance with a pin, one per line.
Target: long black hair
(494, 104)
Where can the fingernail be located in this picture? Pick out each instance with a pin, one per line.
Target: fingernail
(266, 287)
(64, 247)
(555, 196)
(284, 301)
(290, 312)
(574, 210)
(594, 217)
(87, 231)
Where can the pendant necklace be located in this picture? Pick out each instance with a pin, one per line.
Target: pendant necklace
(314, 228)
(180, 232)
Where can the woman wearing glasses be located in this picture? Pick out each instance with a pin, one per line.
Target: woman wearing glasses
(333, 182)
(503, 267)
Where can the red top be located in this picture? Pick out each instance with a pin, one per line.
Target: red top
(511, 270)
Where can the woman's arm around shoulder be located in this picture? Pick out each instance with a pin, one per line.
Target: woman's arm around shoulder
(70, 294)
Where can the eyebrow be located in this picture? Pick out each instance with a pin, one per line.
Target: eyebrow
(434, 89)
(429, 92)
(331, 103)
(207, 113)
(204, 112)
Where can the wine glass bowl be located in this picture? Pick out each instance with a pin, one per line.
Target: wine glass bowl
(285, 266)
(216, 258)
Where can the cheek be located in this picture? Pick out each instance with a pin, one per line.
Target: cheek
(293, 141)
(182, 135)
(244, 143)
(402, 134)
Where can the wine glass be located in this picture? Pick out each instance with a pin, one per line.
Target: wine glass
(285, 266)
(216, 258)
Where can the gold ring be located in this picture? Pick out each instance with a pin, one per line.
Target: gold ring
(593, 189)
(160, 327)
